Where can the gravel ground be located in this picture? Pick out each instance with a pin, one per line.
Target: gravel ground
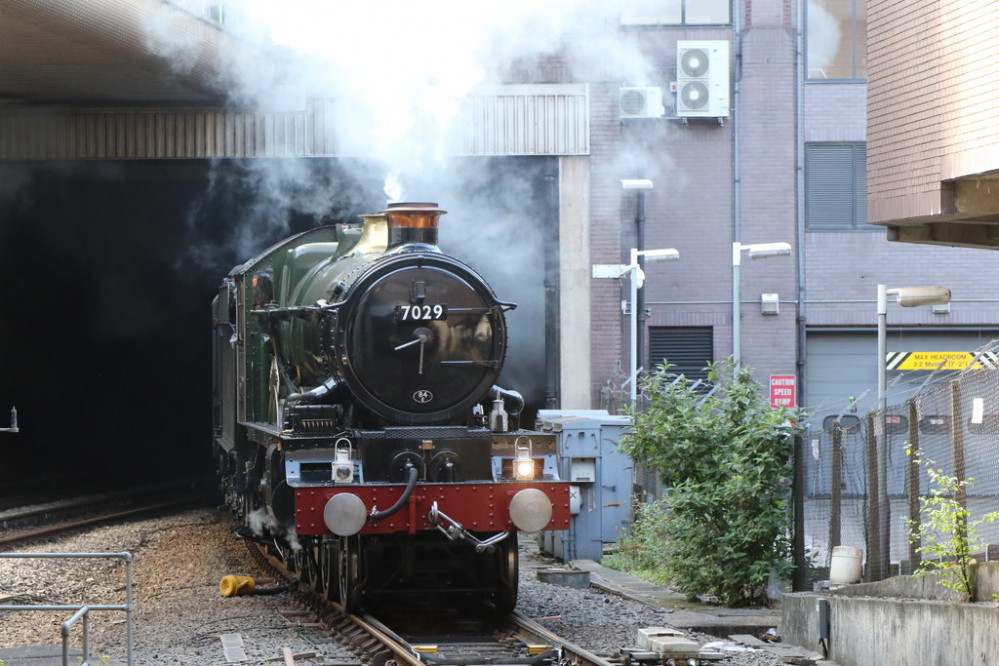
(179, 613)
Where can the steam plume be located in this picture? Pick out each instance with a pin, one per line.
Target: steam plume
(397, 73)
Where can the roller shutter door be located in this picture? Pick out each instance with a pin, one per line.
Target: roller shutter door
(688, 348)
(843, 364)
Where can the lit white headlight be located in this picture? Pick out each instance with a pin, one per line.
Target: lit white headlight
(524, 470)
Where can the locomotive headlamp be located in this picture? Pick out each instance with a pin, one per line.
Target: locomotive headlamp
(523, 460)
(343, 466)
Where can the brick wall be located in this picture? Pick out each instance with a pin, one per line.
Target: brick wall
(691, 205)
(939, 62)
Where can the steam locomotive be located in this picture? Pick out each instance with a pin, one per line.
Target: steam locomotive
(358, 430)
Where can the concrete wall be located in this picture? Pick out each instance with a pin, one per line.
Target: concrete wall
(902, 621)
(901, 633)
(574, 278)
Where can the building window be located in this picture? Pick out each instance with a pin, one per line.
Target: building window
(676, 12)
(836, 39)
(836, 187)
(688, 349)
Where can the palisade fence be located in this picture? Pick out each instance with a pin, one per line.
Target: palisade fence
(857, 485)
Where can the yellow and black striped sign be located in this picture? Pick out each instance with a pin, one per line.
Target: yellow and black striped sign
(941, 360)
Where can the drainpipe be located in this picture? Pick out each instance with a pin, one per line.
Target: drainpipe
(800, 580)
(639, 303)
(799, 135)
(736, 172)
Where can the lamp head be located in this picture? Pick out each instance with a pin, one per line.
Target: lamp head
(670, 254)
(636, 184)
(761, 250)
(909, 297)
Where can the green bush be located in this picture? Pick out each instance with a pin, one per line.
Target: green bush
(948, 536)
(725, 459)
(642, 550)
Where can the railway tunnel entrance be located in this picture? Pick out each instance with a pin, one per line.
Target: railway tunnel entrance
(109, 269)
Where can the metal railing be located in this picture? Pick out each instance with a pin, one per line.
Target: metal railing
(83, 610)
(13, 421)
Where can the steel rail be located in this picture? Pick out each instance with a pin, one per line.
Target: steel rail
(572, 653)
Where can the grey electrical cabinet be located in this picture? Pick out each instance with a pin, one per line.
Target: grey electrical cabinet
(602, 479)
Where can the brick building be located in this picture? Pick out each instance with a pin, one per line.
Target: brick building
(789, 164)
(933, 169)
(777, 152)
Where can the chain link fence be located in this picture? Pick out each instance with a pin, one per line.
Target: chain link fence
(861, 478)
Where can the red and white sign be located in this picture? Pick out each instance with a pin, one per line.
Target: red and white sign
(782, 391)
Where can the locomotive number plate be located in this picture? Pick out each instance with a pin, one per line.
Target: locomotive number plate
(434, 312)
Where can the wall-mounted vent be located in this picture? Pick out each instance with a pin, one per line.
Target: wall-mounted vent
(702, 79)
(641, 103)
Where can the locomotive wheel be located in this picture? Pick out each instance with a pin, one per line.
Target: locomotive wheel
(506, 572)
(309, 573)
(297, 561)
(326, 569)
(349, 573)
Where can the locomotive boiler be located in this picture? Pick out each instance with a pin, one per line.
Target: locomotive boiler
(358, 428)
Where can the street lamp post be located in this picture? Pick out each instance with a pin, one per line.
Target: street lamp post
(907, 297)
(756, 251)
(637, 280)
(639, 186)
(637, 276)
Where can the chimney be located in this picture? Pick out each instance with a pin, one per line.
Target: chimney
(412, 223)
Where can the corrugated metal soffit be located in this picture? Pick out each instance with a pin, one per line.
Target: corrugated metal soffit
(511, 120)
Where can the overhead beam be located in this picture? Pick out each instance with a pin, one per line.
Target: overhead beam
(544, 119)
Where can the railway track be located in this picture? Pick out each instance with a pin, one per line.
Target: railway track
(26, 518)
(486, 640)
(426, 634)
(452, 637)
(397, 634)
(508, 639)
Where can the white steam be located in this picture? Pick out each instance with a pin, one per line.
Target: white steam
(398, 71)
(393, 75)
(393, 187)
(264, 525)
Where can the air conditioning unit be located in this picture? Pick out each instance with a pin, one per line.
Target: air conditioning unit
(641, 103)
(702, 79)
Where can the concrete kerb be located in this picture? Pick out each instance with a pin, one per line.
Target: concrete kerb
(690, 616)
(702, 618)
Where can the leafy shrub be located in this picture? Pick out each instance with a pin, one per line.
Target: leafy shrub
(948, 537)
(642, 550)
(724, 458)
